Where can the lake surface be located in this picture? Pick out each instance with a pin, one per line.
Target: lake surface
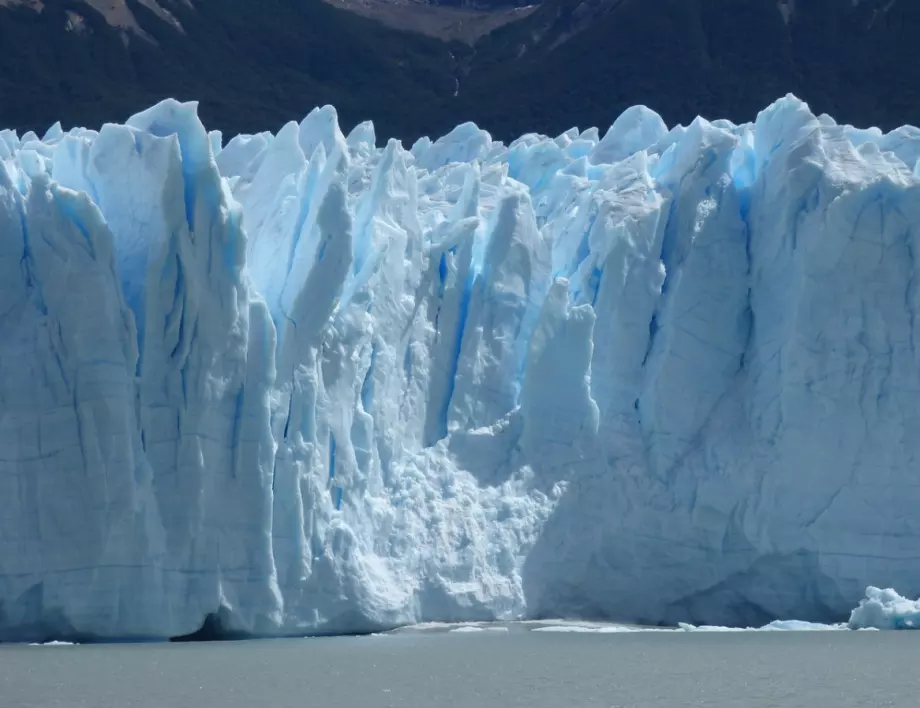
(509, 666)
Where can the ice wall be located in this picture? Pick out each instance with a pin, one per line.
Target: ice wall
(306, 384)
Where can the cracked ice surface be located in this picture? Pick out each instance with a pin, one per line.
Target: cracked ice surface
(319, 386)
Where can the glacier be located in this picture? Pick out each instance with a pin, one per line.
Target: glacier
(296, 383)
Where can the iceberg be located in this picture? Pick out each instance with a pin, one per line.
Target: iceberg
(885, 609)
(297, 383)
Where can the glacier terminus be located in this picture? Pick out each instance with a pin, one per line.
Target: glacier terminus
(295, 383)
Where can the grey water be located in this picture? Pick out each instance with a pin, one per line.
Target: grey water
(486, 669)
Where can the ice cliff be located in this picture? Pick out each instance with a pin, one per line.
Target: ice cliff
(299, 383)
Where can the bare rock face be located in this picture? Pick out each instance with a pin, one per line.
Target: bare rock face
(116, 13)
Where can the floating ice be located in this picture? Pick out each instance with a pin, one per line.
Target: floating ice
(775, 626)
(299, 383)
(53, 644)
(597, 629)
(885, 609)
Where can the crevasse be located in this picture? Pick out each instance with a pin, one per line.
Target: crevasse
(302, 384)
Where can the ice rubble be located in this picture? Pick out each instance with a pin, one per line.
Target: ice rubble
(301, 384)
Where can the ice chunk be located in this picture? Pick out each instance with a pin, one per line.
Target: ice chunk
(775, 626)
(885, 609)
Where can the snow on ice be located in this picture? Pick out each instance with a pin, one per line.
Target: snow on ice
(298, 383)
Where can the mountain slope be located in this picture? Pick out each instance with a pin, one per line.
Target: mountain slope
(584, 63)
(569, 62)
(448, 21)
(252, 66)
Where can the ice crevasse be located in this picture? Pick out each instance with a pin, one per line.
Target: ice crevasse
(296, 383)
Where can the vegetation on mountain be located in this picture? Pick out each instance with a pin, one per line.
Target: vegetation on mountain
(254, 66)
(859, 62)
(251, 65)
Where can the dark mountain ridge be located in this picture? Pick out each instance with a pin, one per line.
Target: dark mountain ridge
(584, 63)
(254, 66)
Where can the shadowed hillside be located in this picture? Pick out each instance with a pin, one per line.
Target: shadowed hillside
(254, 66)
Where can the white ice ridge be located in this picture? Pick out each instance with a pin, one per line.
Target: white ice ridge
(309, 385)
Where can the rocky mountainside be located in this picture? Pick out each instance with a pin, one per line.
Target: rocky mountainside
(252, 66)
(117, 13)
(559, 64)
(451, 20)
(585, 62)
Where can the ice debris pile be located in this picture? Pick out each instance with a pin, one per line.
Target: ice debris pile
(297, 383)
